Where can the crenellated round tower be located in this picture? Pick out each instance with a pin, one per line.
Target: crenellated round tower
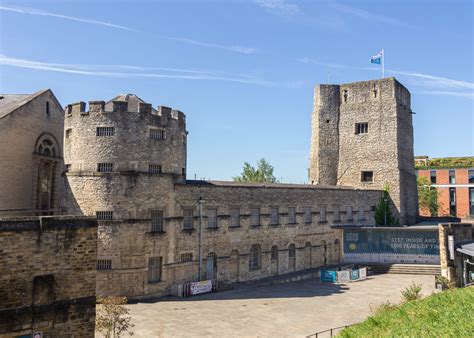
(122, 154)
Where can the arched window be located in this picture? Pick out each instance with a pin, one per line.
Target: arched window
(255, 260)
(46, 147)
(292, 251)
(48, 167)
(274, 253)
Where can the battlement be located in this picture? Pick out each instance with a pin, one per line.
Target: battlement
(122, 107)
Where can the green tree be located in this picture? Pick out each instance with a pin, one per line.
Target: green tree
(263, 173)
(113, 317)
(427, 196)
(383, 214)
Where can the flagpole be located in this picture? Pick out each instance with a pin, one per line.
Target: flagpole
(383, 63)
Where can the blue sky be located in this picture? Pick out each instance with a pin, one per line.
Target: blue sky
(244, 71)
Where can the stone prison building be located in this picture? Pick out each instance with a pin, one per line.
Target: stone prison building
(125, 164)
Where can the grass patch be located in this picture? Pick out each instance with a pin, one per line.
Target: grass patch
(446, 314)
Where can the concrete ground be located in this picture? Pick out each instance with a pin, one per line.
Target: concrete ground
(295, 309)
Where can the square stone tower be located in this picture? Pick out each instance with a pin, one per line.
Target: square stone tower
(362, 136)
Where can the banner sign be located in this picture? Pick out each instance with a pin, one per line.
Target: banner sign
(395, 241)
(328, 276)
(201, 287)
(362, 273)
(355, 274)
(343, 276)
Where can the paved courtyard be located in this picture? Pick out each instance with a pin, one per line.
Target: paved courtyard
(294, 309)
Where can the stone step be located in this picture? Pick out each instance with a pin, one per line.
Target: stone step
(413, 269)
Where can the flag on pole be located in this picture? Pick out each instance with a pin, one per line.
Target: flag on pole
(377, 58)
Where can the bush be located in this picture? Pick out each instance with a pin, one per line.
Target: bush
(383, 308)
(412, 292)
(113, 317)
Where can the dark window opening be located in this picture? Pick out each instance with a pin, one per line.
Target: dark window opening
(157, 221)
(186, 257)
(255, 261)
(471, 176)
(47, 108)
(433, 176)
(471, 201)
(367, 176)
(361, 128)
(188, 219)
(154, 269)
(104, 264)
(345, 95)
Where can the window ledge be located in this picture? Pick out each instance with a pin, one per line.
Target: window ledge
(255, 226)
(234, 227)
(156, 233)
(155, 282)
(274, 225)
(322, 222)
(188, 230)
(255, 269)
(212, 228)
(292, 224)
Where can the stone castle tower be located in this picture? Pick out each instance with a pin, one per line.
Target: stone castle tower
(122, 156)
(362, 136)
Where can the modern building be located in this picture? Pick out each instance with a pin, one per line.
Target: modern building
(455, 185)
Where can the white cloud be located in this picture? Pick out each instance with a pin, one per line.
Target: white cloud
(435, 81)
(360, 13)
(140, 72)
(232, 48)
(448, 93)
(280, 7)
(32, 11)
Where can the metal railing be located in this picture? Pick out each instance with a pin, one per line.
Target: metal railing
(332, 331)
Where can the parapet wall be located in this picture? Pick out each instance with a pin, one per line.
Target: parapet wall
(129, 140)
(48, 277)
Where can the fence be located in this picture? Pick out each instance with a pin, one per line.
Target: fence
(190, 289)
(329, 332)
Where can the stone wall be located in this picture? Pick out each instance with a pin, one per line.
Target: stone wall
(386, 149)
(451, 267)
(48, 276)
(130, 243)
(20, 132)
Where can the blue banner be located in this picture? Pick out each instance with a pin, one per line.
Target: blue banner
(391, 241)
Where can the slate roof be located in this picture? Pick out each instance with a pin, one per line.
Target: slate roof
(132, 100)
(467, 249)
(10, 102)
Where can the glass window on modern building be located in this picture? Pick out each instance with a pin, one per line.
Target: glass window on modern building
(433, 176)
(452, 201)
(452, 177)
(470, 174)
(471, 201)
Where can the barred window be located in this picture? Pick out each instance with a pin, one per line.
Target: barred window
(291, 215)
(308, 216)
(336, 214)
(188, 219)
(349, 214)
(235, 217)
(157, 221)
(274, 253)
(154, 169)
(361, 215)
(255, 217)
(186, 257)
(292, 251)
(157, 134)
(67, 167)
(105, 131)
(361, 128)
(104, 215)
(274, 216)
(105, 167)
(322, 214)
(104, 264)
(212, 218)
(154, 269)
(68, 132)
(255, 260)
